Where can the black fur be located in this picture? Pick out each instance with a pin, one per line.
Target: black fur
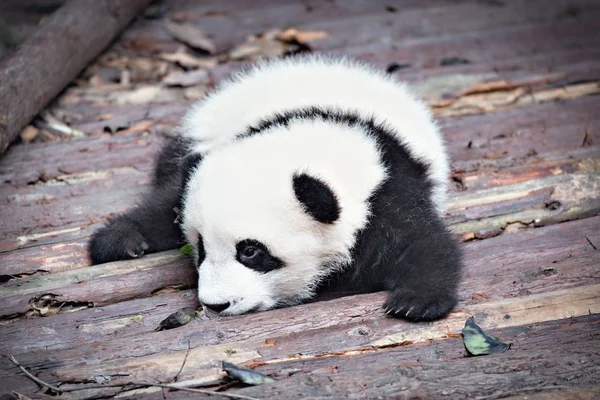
(406, 247)
(318, 199)
(150, 226)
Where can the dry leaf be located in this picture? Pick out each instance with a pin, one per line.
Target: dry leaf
(141, 127)
(179, 318)
(96, 80)
(479, 296)
(145, 94)
(187, 60)
(29, 133)
(146, 69)
(191, 35)
(104, 117)
(295, 35)
(478, 342)
(185, 79)
(269, 343)
(264, 45)
(246, 375)
(194, 92)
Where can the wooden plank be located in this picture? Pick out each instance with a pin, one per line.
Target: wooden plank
(97, 285)
(444, 25)
(546, 343)
(203, 361)
(119, 321)
(540, 202)
(357, 23)
(556, 357)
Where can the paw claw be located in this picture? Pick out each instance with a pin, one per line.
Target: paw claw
(135, 253)
(421, 306)
(119, 240)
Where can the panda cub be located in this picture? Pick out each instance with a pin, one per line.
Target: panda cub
(297, 176)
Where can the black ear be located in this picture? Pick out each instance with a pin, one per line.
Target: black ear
(317, 198)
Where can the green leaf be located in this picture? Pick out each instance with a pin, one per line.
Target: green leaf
(246, 375)
(179, 318)
(478, 342)
(187, 249)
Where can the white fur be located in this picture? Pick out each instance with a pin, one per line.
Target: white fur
(244, 191)
(288, 84)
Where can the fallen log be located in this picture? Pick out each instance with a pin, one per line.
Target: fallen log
(50, 58)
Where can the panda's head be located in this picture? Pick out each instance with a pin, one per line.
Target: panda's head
(264, 236)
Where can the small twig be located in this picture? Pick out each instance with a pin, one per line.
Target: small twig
(33, 378)
(587, 138)
(176, 378)
(136, 384)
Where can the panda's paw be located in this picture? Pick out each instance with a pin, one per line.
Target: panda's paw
(414, 306)
(119, 240)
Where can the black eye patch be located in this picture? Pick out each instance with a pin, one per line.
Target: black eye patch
(255, 255)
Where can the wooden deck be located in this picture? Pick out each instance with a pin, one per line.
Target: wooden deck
(515, 85)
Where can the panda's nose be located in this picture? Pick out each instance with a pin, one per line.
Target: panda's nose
(217, 307)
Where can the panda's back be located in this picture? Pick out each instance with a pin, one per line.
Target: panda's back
(317, 81)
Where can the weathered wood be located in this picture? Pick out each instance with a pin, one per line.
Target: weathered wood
(119, 321)
(273, 347)
(553, 357)
(361, 22)
(551, 200)
(98, 285)
(48, 60)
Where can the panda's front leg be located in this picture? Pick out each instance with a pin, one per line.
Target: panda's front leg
(151, 225)
(147, 228)
(424, 283)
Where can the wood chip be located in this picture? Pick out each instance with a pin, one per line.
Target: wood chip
(194, 92)
(187, 60)
(191, 35)
(29, 133)
(295, 35)
(264, 45)
(185, 79)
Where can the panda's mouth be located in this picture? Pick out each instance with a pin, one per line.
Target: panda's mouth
(237, 310)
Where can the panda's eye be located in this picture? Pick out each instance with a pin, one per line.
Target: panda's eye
(250, 252)
(255, 255)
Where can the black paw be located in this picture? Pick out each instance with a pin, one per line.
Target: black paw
(119, 240)
(414, 306)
